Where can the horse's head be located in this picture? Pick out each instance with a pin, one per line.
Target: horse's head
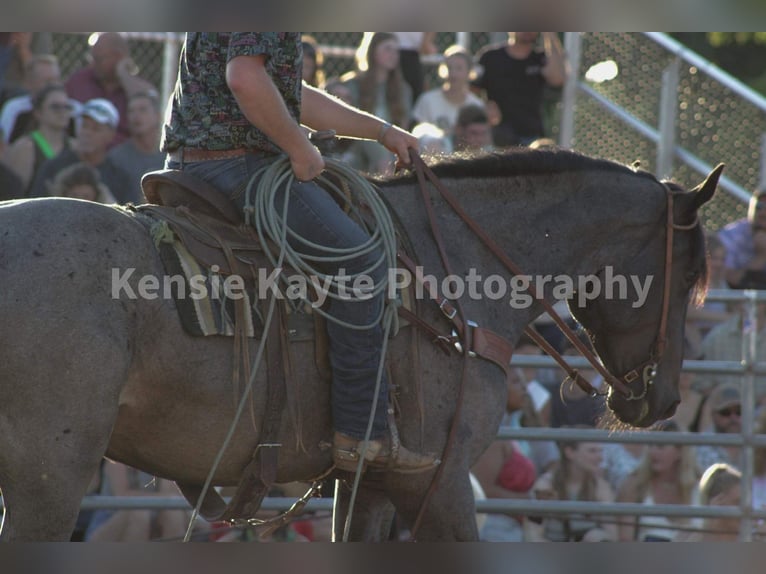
(640, 338)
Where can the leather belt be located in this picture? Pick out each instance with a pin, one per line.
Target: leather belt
(190, 154)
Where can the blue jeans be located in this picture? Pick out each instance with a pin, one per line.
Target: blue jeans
(314, 215)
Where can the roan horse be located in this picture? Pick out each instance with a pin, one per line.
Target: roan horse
(84, 374)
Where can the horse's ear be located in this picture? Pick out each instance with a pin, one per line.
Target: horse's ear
(704, 191)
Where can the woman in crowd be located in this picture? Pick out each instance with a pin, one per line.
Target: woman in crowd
(441, 105)
(667, 474)
(577, 476)
(720, 485)
(378, 87)
(52, 112)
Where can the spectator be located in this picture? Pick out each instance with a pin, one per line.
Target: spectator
(513, 77)
(379, 88)
(725, 407)
(745, 243)
(81, 181)
(141, 153)
(473, 131)
(720, 485)
(667, 474)
(96, 126)
(576, 477)
(52, 113)
(413, 45)
(377, 85)
(17, 114)
(440, 106)
(313, 62)
(111, 76)
(503, 471)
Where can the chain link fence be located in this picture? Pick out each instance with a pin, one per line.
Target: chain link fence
(713, 123)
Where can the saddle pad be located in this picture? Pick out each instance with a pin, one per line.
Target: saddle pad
(213, 313)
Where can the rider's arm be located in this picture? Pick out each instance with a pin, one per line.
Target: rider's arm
(263, 106)
(321, 111)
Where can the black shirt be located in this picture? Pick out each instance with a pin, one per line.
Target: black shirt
(517, 86)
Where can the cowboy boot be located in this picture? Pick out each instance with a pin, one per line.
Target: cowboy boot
(385, 454)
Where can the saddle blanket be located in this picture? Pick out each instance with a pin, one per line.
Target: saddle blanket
(204, 304)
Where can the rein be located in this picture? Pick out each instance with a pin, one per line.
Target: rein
(465, 328)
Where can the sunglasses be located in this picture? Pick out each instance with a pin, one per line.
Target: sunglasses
(729, 411)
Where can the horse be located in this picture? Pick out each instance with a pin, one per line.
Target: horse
(86, 373)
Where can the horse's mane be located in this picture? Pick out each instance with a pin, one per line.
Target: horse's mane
(515, 162)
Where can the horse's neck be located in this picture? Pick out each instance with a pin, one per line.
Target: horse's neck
(546, 226)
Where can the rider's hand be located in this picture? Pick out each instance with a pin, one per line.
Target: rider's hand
(307, 162)
(399, 142)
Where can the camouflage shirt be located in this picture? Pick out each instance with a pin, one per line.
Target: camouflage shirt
(204, 113)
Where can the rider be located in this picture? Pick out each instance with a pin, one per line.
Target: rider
(239, 104)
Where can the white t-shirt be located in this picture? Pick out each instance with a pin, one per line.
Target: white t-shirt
(434, 108)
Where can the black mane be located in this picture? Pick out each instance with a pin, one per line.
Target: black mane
(515, 162)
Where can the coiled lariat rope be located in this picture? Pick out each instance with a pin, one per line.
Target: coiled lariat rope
(260, 212)
(270, 222)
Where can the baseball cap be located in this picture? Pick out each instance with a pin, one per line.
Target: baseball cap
(101, 110)
(725, 395)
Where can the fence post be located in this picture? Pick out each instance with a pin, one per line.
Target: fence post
(169, 65)
(762, 178)
(668, 108)
(749, 349)
(463, 39)
(572, 48)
